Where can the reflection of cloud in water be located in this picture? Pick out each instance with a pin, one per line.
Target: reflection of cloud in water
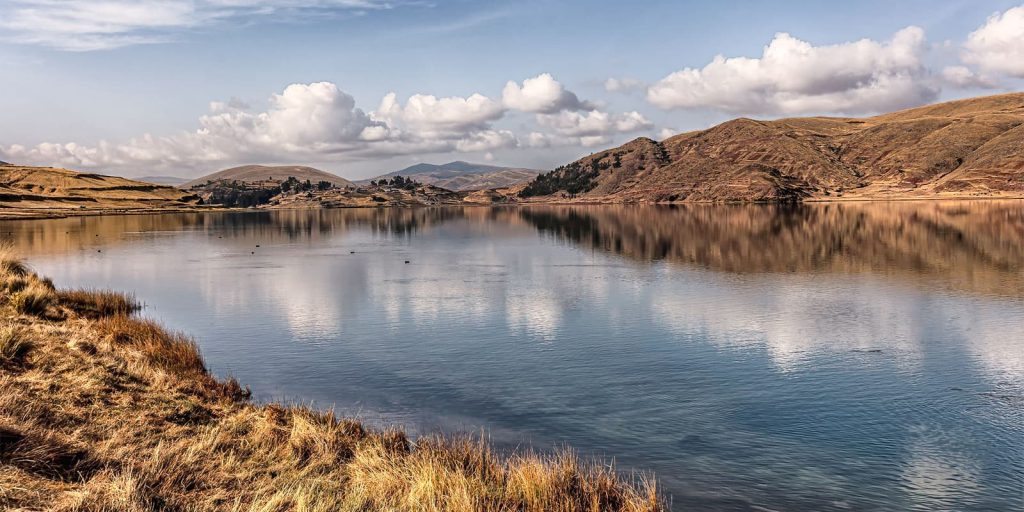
(992, 331)
(793, 317)
(537, 314)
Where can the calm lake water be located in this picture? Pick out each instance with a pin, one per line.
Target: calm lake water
(821, 357)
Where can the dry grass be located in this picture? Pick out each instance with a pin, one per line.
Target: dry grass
(99, 303)
(34, 298)
(14, 346)
(108, 412)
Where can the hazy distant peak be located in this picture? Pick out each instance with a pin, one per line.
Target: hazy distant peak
(462, 175)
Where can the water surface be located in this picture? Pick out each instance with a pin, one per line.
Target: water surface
(820, 357)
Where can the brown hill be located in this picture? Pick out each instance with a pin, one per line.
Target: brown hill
(966, 148)
(463, 176)
(254, 173)
(50, 188)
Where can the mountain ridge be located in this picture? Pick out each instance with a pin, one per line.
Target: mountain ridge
(963, 148)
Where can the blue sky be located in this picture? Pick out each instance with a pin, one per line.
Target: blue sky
(188, 87)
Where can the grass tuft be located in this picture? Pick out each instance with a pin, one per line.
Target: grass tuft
(11, 265)
(172, 352)
(33, 299)
(98, 303)
(13, 345)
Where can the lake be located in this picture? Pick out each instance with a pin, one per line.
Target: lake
(861, 356)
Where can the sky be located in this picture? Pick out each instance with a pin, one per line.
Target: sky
(365, 87)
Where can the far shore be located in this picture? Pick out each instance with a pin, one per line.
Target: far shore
(14, 213)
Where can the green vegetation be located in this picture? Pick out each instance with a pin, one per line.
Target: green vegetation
(397, 182)
(247, 195)
(240, 194)
(572, 178)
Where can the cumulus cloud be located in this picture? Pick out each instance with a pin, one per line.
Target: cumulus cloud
(541, 94)
(588, 129)
(594, 123)
(432, 115)
(87, 25)
(303, 120)
(963, 77)
(427, 124)
(998, 45)
(793, 76)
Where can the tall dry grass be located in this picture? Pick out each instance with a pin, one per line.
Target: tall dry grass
(105, 411)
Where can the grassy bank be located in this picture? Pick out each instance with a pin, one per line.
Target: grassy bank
(103, 411)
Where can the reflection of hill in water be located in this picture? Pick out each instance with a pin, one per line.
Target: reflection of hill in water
(976, 246)
(970, 246)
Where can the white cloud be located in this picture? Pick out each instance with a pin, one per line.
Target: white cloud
(594, 123)
(998, 45)
(429, 114)
(963, 77)
(303, 120)
(87, 25)
(623, 85)
(304, 123)
(541, 94)
(486, 141)
(794, 76)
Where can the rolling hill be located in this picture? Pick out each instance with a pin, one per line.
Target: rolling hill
(965, 148)
(34, 188)
(252, 173)
(464, 176)
(171, 181)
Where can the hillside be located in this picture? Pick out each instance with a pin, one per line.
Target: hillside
(463, 176)
(253, 173)
(172, 181)
(966, 148)
(50, 188)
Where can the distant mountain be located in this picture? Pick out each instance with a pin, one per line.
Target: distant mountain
(965, 148)
(462, 176)
(4, 163)
(163, 180)
(251, 173)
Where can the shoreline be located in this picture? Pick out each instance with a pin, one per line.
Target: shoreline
(9, 213)
(103, 410)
